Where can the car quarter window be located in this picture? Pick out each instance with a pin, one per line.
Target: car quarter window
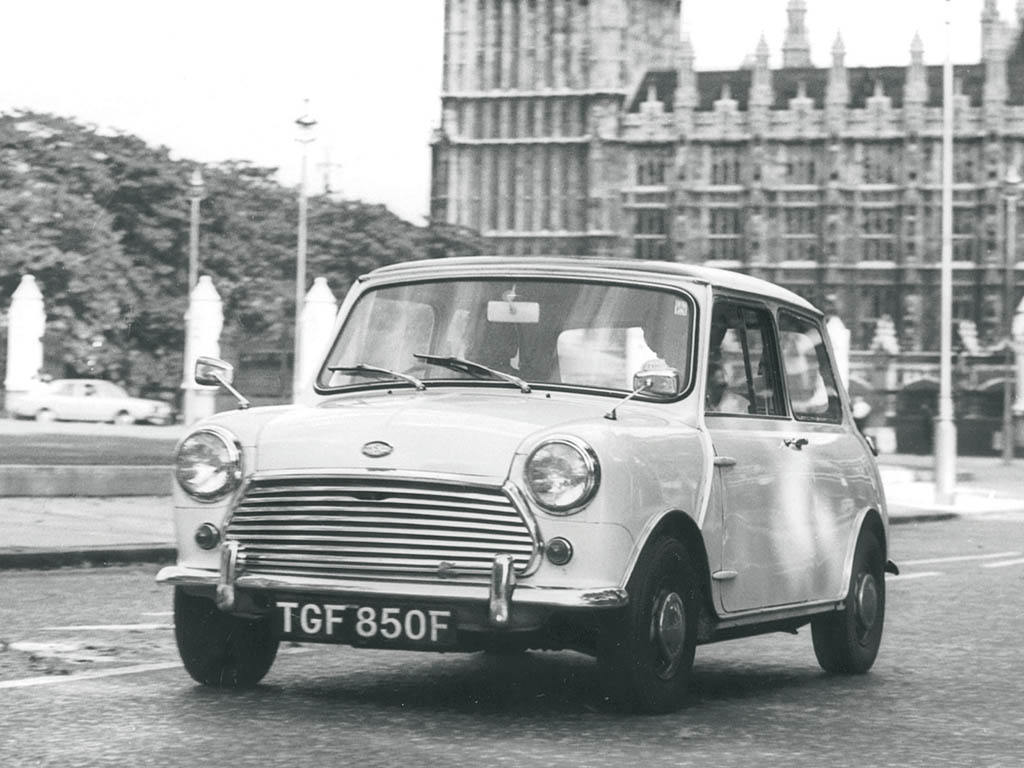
(743, 368)
(810, 381)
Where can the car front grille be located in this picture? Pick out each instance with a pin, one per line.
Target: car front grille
(368, 527)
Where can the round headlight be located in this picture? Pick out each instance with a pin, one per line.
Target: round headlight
(209, 464)
(562, 475)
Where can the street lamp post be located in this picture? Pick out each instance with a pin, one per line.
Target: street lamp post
(945, 427)
(1012, 190)
(188, 384)
(306, 125)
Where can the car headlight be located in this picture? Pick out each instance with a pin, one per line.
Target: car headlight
(208, 464)
(562, 475)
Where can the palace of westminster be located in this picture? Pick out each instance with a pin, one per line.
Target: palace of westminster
(584, 127)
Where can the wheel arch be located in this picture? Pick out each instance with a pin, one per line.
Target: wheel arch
(681, 526)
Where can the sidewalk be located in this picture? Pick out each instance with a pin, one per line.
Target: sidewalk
(55, 531)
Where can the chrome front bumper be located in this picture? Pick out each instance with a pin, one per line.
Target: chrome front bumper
(501, 594)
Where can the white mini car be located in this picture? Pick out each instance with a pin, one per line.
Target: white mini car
(623, 458)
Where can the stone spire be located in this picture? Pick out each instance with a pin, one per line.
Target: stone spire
(761, 94)
(917, 77)
(837, 95)
(989, 25)
(796, 50)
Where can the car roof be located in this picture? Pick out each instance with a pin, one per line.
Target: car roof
(587, 266)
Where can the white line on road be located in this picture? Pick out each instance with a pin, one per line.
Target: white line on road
(30, 682)
(158, 613)
(905, 576)
(109, 627)
(960, 558)
(1004, 563)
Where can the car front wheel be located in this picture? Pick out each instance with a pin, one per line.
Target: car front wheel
(646, 652)
(124, 418)
(847, 642)
(218, 649)
(45, 416)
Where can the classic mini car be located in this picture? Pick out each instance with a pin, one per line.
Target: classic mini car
(622, 458)
(89, 400)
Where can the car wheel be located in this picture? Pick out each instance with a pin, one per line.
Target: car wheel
(45, 416)
(218, 649)
(645, 652)
(847, 641)
(123, 418)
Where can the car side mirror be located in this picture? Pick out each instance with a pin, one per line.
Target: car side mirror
(211, 372)
(660, 382)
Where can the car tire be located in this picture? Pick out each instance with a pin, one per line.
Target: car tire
(218, 649)
(847, 642)
(124, 418)
(45, 416)
(645, 652)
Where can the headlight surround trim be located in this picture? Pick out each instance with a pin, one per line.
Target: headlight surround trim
(229, 462)
(591, 473)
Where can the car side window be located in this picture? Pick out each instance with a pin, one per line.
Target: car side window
(743, 369)
(810, 381)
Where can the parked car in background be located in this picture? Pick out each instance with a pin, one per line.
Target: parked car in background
(623, 458)
(89, 400)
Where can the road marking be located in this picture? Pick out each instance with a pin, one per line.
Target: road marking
(905, 576)
(108, 627)
(158, 613)
(960, 558)
(30, 682)
(1004, 563)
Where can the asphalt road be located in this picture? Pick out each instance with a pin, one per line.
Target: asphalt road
(89, 676)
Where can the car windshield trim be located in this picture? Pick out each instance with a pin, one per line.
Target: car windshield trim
(633, 295)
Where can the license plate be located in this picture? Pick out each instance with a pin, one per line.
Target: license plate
(371, 626)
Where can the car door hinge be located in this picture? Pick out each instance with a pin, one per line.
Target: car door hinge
(724, 575)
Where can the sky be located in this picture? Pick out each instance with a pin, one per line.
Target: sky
(216, 80)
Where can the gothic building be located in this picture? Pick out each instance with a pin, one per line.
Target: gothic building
(584, 127)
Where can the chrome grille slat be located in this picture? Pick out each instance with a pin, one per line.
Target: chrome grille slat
(317, 526)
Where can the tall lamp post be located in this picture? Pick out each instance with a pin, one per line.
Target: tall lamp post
(945, 427)
(1012, 191)
(306, 125)
(195, 196)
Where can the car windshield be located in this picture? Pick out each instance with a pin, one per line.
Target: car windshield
(547, 332)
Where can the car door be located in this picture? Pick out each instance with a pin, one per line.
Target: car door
(765, 476)
(833, 453)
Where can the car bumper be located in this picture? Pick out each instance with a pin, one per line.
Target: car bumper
(501, 595)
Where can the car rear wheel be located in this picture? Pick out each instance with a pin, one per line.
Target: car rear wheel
(45, 416)
(218, 649)
(124, 418)
(847, 642)
(646, 652)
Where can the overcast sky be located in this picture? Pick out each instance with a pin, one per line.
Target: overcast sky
(226, 79)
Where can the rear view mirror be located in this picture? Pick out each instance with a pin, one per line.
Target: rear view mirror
(211, 372)
(513, 311)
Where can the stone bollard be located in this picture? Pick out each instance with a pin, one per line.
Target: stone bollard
(204, 321)
(318, 313)
(26, 324)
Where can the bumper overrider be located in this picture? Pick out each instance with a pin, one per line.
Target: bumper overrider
(501, 595)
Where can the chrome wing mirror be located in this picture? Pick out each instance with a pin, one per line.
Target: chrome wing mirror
(211, 372)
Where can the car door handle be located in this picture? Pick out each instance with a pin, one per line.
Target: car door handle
(796, 443)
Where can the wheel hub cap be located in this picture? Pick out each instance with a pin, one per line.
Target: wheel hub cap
(867, 602)
(670, 630)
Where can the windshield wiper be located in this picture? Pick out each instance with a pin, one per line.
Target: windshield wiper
(473, 369)
(372, 370)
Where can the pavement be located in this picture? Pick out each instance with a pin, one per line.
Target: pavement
(54, 531)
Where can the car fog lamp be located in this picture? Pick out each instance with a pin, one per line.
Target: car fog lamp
(562, 475)
(207, 536)
(208, 465)
(558, 551)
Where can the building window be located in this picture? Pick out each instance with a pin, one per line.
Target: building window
(881, 163)
(651, 222)
(726, 165)
(801, 164)
(650, 239)
(879, 234)
(874, 302)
